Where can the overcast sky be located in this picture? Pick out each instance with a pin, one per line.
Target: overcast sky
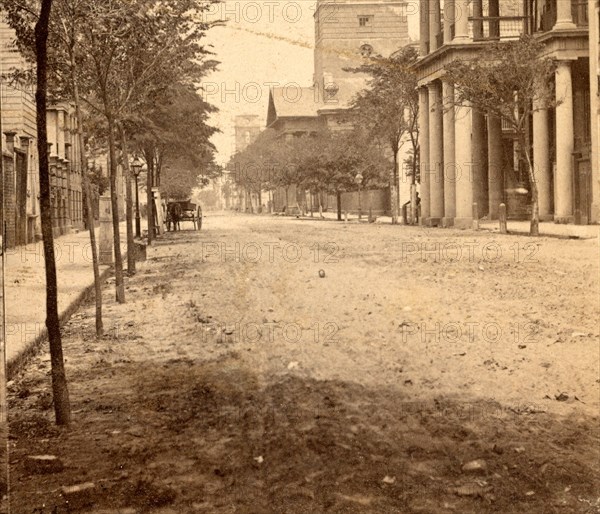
(264, 41)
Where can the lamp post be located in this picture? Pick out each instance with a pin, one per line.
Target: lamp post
(358, 179)
(136, 167)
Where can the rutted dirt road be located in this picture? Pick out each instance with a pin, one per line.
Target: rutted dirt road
(277, 365)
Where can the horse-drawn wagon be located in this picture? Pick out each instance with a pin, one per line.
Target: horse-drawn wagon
(180, 211)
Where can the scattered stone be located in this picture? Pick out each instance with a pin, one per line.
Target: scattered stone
(292, 365)
(80, 495)
(388, 480)
(562, 397)
(475, 466)
(322, 273)
(522, 346)
(471, 490)
(40, 464)
(259, 459)
(520, 449)
(498, 449)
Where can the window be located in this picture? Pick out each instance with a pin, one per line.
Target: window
(365, 21)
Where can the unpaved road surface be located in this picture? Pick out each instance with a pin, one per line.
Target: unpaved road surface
(275, 365)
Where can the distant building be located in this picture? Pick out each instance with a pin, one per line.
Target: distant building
(247, 128)
(346, 33)
(65, 168)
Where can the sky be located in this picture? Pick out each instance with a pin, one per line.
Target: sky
(264, 42)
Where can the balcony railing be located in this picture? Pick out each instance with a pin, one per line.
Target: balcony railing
(497, 28)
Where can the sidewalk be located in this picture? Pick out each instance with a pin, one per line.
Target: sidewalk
(26, 289)
(547, 228)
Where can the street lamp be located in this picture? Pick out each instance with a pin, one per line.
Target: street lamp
(136, 167)
(358, 179)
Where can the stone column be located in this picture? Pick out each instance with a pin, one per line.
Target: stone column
(477, 24)
(563, 190)
(436, 154)
(495, 166)
(449, 156)
(424, 147)
(564, 16)
(434, 24)
(461, 15)
(448, 20)
(479, 169)
(541, 163)
(424, 27)
(462, 150)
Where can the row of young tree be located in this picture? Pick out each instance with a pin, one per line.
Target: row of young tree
(509, 80)
(131, 70)
(368, 144)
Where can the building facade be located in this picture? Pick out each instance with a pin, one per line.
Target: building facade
(346, 32)
(460, 139)
(20, 189)
(20, 192)
(65, 169)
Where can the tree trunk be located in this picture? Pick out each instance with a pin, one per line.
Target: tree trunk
(88, 201)
(114, 202)
(534, 226)
(128, 205)
(339, 205)
(60, 392)
(287, 202)
(149, 183)
(320, 204)
(393, 197)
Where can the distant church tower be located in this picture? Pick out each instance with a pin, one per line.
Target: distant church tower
(247, 128)
(346, 31)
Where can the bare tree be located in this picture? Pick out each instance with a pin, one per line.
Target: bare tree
(509, 80)
(62, 408)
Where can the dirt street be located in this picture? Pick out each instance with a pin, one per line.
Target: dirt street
(274, 365)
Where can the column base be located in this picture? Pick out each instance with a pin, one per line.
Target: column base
(564, 220)
(463, 223)
(447, 222)
(433, 222)
(564, 25)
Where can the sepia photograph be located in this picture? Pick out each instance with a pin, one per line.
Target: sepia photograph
(299, 256)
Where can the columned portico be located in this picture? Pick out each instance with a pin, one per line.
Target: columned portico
(424, 155)
(449, 156)
(464, 186)
(436, 154)
(541, 163)
(563, 190)
(495, 166)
